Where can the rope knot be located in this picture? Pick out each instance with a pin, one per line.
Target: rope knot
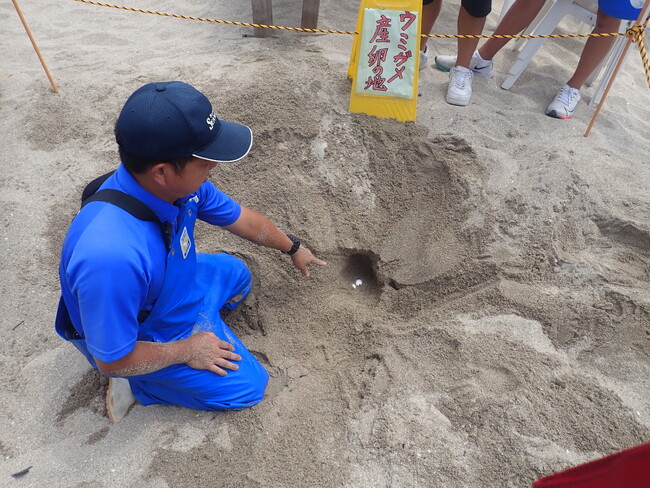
(635, 33)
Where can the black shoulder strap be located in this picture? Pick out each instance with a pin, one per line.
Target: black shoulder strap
(93, 186)
(124, 201)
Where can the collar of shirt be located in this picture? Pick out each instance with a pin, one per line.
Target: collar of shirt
(126, 183)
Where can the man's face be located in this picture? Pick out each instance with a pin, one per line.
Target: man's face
(194, 174)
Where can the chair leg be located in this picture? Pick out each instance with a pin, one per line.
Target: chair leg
(546, 26)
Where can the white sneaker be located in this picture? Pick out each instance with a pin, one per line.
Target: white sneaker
(119, 398)
(564, 104)
(460, 86)
(478, 65)
(424, 57)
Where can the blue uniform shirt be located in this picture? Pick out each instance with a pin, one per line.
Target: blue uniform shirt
(113, 265)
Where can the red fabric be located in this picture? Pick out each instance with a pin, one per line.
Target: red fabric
(625, 469)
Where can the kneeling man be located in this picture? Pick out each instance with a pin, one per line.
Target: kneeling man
(137, 299)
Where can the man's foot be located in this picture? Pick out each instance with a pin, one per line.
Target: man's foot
(460, 86)
(119, 398)
(424, 57)
(478, 65)
(564, 104)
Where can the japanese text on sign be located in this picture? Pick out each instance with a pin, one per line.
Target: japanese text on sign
(387, 53)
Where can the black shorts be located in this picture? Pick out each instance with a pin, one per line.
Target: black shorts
(476, 8)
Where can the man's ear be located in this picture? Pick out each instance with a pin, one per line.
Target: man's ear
(160, 172)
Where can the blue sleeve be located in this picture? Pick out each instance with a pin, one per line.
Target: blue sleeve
(110, 285)
(215, 207)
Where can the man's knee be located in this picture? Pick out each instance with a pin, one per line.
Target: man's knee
(233, 262)
(248, 392)
(259, 384)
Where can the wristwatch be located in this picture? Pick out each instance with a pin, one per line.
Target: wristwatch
(294, 246)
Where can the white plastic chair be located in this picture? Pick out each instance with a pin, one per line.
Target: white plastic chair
(559, 10)
(546, 22)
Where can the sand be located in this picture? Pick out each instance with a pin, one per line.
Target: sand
(501, 330)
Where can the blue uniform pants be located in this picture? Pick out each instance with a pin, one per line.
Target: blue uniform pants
(223, 277)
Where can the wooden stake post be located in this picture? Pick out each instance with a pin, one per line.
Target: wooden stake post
(263, 14)
(38, 52)
(639, 20)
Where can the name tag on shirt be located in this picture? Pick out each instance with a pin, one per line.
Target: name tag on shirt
(185, 242)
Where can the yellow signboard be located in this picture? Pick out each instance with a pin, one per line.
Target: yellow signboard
(385, 59)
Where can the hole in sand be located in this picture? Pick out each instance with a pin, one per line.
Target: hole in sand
(360, 273)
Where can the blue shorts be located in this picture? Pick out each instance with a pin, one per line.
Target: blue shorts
(476, 8)
(621, 9)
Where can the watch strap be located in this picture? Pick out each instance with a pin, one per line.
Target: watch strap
(295, 245)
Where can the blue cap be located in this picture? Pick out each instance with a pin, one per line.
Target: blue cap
(169, 120)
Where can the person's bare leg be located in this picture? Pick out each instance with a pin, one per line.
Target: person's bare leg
(596, 48)
(518, 17)
(430, 14)
(565, 102)
(468, 25)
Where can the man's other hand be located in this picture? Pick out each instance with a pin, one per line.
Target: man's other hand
(211, 353)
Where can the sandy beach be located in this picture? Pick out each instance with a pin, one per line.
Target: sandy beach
(502, 328)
